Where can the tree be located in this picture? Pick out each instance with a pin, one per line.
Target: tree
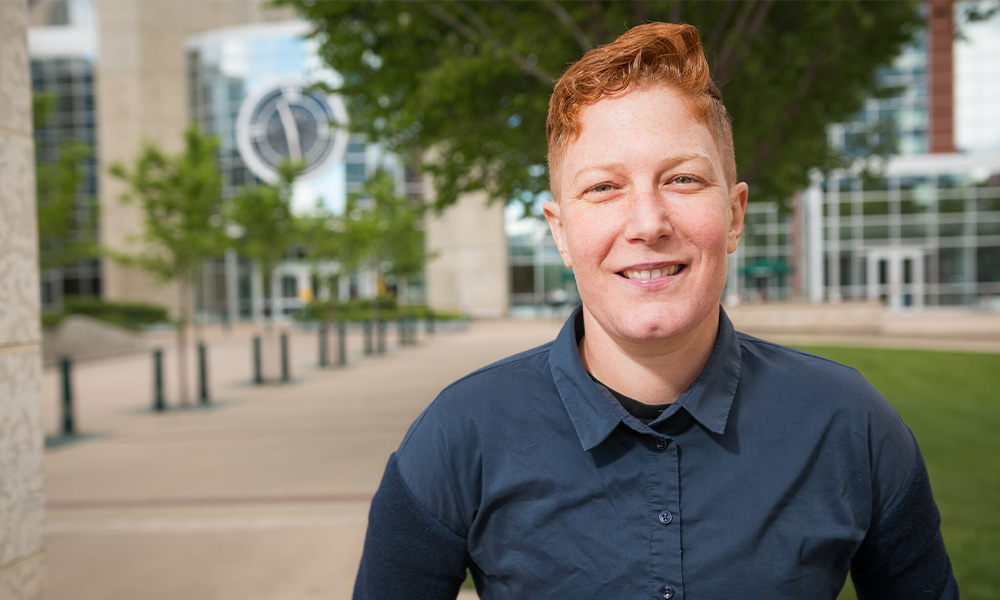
(65, 233)
(318, 233)
(471, 80)
(383, 230)
(263, 215)
(180, 198)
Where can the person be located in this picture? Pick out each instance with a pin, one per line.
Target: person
(651, 451)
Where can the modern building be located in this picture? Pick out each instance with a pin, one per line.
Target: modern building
(124, 72)
(919, 229)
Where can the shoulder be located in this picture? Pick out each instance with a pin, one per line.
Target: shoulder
(440, 458)
(833, 404)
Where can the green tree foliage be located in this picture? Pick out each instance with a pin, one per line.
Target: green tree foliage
(66, 220)
(180, 197)
(383, 230)
(319, 235)
(471, 80)
(263, 215)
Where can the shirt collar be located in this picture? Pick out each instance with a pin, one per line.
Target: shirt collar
(708, 400)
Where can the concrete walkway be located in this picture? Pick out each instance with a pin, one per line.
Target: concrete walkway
(264, 494)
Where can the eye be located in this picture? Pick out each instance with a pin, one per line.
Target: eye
(601, 187)
(684, 179)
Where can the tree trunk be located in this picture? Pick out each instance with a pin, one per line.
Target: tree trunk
(182, 362)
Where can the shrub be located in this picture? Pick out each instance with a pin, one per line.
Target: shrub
(131, 315)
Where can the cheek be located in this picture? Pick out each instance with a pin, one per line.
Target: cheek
(709, 230)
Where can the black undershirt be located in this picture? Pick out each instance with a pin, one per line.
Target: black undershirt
(647, 413)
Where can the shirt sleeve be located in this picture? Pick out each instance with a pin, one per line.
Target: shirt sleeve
(903, 555)
(408, 553)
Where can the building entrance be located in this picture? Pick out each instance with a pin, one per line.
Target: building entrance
(897, 278)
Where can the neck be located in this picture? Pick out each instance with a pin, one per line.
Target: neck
(652, 373)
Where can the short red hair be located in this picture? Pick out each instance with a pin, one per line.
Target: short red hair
(651, 54)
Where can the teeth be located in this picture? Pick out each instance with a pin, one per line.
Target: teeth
(652, 274)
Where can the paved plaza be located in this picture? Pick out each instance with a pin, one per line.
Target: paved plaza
(263, 495)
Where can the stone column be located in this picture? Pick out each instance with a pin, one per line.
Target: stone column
(21, 495)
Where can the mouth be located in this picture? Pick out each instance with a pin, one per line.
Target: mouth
(653, 273)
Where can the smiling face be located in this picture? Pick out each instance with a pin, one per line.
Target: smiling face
(645, 218)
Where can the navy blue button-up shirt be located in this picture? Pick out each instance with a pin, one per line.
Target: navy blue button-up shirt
(773, 476)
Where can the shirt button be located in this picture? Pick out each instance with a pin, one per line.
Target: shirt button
(666, 518)
(668, 592)
(661, 443)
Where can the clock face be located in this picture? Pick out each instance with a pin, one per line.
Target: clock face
(287, 120)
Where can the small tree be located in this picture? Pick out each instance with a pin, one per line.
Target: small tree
(383, 231)
(263, 214)
(319, 235)
(180, 198)
(65, 233)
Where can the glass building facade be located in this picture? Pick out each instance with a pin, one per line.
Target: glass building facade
(226, 70)
(923, 231)
(540, 283)
(63, 59)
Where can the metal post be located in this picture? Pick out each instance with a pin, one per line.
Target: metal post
(367, 325)
(158, 403)
(401, 329)
(430, 321)
(285, 374)
(258, 376)
(323, 359)
(412, 327)
(381, 337)
(342, 343)
(69, 427)
(203, 373)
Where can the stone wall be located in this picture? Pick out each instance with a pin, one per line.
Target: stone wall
(21, 492)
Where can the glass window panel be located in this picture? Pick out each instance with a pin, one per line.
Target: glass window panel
(522, 279)
(951, 205)
(988, 264)
(950, 229)
(988, 228)
(876, 232)
(875, 208)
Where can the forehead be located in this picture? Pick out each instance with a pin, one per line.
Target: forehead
(641, 123)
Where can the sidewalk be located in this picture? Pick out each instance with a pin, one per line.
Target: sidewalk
(264, 494)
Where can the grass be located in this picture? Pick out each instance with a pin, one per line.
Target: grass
(950, 401)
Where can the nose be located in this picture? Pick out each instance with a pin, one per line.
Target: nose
(647, 219)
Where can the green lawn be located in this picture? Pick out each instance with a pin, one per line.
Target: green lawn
(950, 400)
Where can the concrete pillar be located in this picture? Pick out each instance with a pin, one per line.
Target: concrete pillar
(22, 502)
(813, 199)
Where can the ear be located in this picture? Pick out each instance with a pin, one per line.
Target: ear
(553, 214)
(737, 211)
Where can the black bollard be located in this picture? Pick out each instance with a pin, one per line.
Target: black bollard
(68, 425)
(285, 373)
(158, 403)
(401, 329)
(203, 373)
(323, 360)
(430, 321)
(381, 337)
(258, 376)
(412, 322)
(367, 325)
(342, 343)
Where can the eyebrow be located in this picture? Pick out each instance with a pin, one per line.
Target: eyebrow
(667, 163)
